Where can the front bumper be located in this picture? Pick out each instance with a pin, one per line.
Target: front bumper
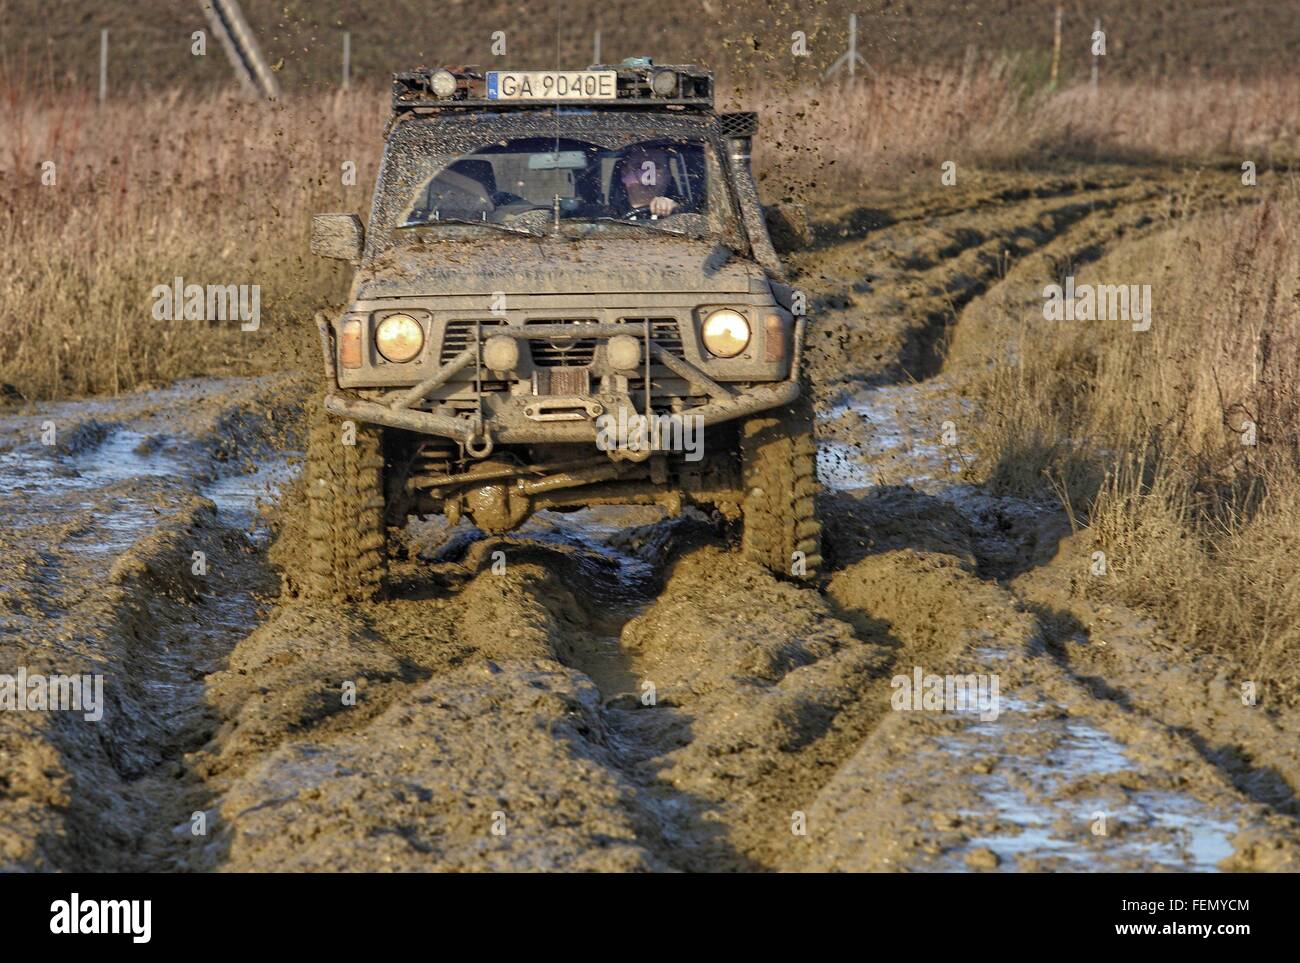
(508, 425)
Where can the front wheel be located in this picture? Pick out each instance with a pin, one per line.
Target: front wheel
(779, 468)
(345, 525)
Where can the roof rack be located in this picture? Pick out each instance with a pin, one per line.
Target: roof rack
(635, 83)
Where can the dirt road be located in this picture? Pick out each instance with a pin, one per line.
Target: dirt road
(611, 690)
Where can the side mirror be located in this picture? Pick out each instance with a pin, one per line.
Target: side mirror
(338, 236)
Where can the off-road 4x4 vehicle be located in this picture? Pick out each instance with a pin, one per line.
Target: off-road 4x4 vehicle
(567, 296)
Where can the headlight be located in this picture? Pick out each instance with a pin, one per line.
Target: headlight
(399, 337)
(726, 333)
(664, 82)
(443, 83)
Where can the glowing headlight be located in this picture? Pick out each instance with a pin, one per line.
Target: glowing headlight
(726, 333)
(399, 337)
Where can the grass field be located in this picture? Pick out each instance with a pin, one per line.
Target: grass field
(1140, 437)
(1178, 447)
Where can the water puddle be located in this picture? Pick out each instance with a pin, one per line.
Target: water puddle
(121, 456)
(893, 435)
(1067, 805)
(123, 482)
(113, 482)
(241, 500)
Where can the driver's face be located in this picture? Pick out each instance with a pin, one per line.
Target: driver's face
(644, 175)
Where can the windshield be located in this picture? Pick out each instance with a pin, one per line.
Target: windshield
(531, 183)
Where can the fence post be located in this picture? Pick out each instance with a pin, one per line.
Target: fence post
(103, 66)
(1056, 47)
(853, 45)
(851, 58)
(596, 47)
(347, 57)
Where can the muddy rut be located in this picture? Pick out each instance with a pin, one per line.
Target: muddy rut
(609, 689)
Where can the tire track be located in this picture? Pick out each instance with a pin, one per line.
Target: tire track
(105, 525)
(492, 711)
(1138, 768)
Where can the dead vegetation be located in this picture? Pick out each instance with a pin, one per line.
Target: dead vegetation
(97, 207)
(1179, 446)
(217, 191)
(897, 130)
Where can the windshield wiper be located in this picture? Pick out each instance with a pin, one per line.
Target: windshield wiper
(606, 219)
(470, 221)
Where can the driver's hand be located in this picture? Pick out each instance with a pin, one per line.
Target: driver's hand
(662, 206)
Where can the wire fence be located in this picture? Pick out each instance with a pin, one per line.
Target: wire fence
(143, 54)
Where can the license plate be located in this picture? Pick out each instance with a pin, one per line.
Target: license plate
(551, 85)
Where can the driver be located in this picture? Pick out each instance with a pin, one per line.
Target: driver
(643, 173)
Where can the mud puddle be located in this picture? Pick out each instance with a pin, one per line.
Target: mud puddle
(902, 434)
(1061, 793)
(618, 585)
(119, 566)
(118, 484)
(607, 556)
(1062, 778)
(243, 499)
(1027, 789)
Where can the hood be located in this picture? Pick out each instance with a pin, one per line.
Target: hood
(515, 264)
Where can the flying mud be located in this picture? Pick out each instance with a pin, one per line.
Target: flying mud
(615, 690)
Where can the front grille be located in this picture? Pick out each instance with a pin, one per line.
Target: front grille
(563, 352)
(458, 336)
(663, 331)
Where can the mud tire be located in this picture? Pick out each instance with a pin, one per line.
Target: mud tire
(779, 472)
(346, 544)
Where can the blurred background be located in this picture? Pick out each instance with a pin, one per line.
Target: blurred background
(59, 42)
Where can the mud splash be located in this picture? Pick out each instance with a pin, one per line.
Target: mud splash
(610, 690)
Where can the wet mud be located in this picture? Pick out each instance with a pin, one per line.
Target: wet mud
(612, 689)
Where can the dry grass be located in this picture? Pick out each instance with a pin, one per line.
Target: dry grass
(1147, 435)
(900, 128)
(217, 191)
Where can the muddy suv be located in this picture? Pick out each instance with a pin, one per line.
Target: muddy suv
(566, 296)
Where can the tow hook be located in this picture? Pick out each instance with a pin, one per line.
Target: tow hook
(474, 450)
